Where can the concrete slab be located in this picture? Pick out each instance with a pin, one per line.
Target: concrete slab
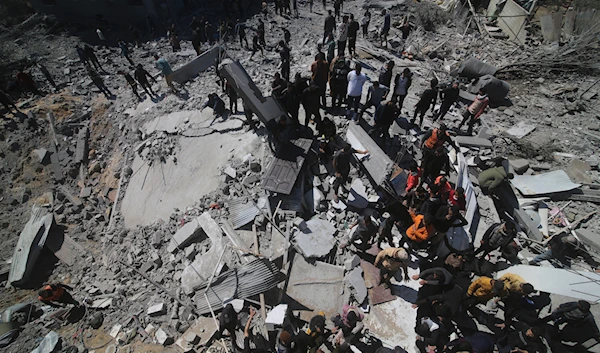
(358, 194)
(315, 287)
(185, 235)
(276, 316)
(266, 108)
(468, 141)
(200, 270)
(81, 151)
(199, 334)
(154, 191)
(519, 165)
(545, 183)
(357, 283)
(520, 130)
(48, 343)
(376, 162)
(316, 240)
(197, 65)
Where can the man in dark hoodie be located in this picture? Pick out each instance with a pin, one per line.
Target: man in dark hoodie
(448, 96)
(428, 99)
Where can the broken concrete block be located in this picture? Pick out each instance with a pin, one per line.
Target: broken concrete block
(357, 283)
(157, 310)
(358, 194)
(162, 337)
(147, 267)
(352, 262)
(541, 166)
(102, 303)
(519, 165)
(185, 235)
(114, 331)
(317, 240)
(156, 239)
(255, 167)
(230, 172)
(85, 192)
(249, 180)
(43, 155)
(190, 252)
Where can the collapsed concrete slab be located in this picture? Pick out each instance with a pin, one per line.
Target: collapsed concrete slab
(316, 240)
(376, 162)
(30, 244)
(266, 108)
(200, 270)
(48, 343)
(199, 334)
(81, 151)
(357, 283)
(200, 63)
(315, 287)
(185, 235)
(470, 141)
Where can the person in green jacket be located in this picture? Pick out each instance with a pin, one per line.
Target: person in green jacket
(491, 178)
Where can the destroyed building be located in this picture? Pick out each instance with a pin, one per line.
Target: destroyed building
(163, 218)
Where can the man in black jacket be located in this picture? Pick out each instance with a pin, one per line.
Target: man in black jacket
(448, 96)
(428, 99)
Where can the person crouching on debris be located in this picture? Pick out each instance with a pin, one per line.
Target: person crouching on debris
(365, 231)
(389, 262)
(341, 165)
(491, 179)
(347, 324)
(56, 293)
(228, 320)
(474, 111)
(216, 103)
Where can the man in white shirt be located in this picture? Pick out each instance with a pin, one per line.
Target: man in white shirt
(356, 81)
(342, 32)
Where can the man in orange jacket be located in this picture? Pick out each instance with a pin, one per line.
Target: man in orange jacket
(56, 293)
(422, 228)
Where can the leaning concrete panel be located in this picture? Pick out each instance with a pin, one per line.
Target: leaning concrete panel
(266, 108)
(199, 64)
(377, 163)
(30, 245)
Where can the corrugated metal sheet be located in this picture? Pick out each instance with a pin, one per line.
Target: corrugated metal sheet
(241, 212)
(254, 278)
(283, 170)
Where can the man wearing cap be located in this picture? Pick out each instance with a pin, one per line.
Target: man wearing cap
(389, 262)
(483, 289)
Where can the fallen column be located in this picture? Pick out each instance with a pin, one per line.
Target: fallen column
(200, 63)
(266, 108)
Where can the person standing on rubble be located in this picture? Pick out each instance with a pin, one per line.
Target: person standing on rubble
(310, 101)
(91, 56)
(385, 73)
(448, 96)
(422, 228)
(56, 293)
(330, 48)
(166, 71)
(98, 81)
(196, 42)
(320, 73)
(256, 46)
(356, 81)
(365, 23)
(402, 83)
(432, 146)
(240, 30)
(131, 82)
(365, 231)
(342, 35)
(125, 51)
(82, 55)
(353, 28)
(261, 32)
(338, 81)
(341, 166)
(389, 261)
(7, 102)
(385, 115)
(294, 97)
(496, 236)
(142, 76)
(329, 26)
(428, 99)
(228, 320)
(375, 95)
(284, 54)
(385, 30)
(209, 32)
(233, 97)
(472, 114)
